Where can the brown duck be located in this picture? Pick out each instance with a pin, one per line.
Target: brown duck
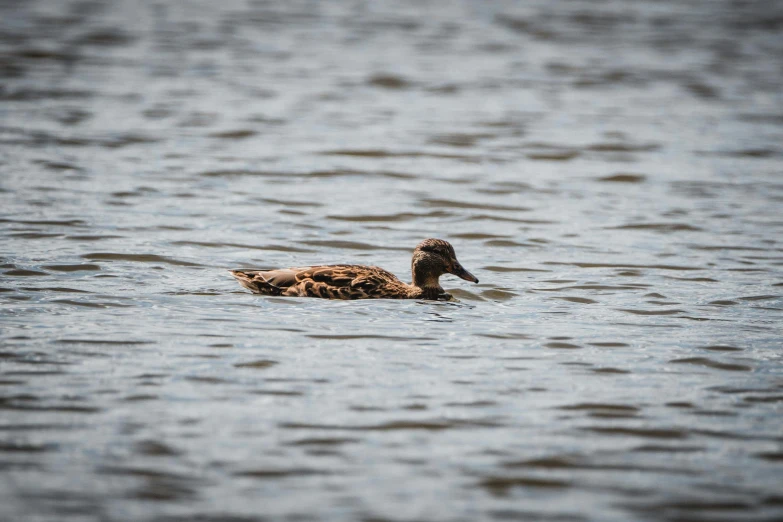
(431, 259)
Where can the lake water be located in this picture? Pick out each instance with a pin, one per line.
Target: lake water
(610, 171)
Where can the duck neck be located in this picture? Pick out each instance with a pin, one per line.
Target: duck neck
(428, 292)
(425, 277)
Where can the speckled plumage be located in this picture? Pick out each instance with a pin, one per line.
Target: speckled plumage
(431, 259)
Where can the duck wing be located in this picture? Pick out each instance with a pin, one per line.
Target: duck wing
(351, 282)
(283, 277)
(327, 281)
(270, 282)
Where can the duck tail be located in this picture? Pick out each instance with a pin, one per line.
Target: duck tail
(253, 281)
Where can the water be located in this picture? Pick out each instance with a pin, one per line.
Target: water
(610, 171)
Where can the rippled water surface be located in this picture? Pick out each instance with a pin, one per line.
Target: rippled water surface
(611, 171)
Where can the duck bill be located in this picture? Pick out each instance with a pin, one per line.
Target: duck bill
(460, 272)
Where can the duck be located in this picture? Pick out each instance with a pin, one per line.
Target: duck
(431, 259)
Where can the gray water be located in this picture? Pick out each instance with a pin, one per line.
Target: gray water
(610, 171)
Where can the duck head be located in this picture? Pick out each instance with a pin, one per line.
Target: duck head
(433, 258)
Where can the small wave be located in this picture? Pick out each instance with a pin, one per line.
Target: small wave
(73, 268)
(451, 203)
(350, 245)
(710, 363)
(623, 178)
(659, 227)
(137, 258)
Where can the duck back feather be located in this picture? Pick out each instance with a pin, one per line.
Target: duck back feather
(329, 281)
